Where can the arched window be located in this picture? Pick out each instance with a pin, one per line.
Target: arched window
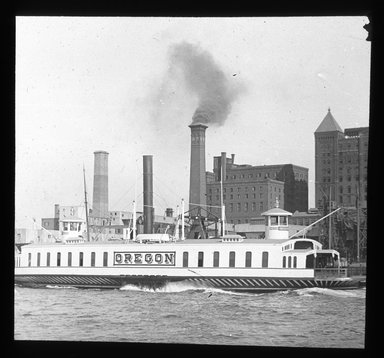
(289, 261)
(216, 259)
(200, 259)
(284, 261)
(185, 259)
(232, 259)
(294, 261)
(264, 260)
(248, 259)
(93, 258)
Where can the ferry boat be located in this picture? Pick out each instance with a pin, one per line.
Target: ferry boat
(228, 262)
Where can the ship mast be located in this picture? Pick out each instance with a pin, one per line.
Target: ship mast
(86, 204)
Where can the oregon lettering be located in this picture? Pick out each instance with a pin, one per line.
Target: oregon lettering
(144, 258)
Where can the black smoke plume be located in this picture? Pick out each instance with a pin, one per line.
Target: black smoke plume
(207, 81)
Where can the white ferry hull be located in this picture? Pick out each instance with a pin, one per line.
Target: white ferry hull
(244, 284)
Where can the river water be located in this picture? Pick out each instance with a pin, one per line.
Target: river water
(180, 314)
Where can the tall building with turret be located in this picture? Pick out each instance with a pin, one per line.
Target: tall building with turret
(341, 160)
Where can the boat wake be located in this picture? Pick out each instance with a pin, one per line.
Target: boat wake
(310, 292)
(59, 287)
(170, 287)
(176, 287)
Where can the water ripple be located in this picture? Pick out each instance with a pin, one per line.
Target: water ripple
(309, 318)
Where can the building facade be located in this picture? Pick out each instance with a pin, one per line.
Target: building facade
(341, 160)
(250, 190)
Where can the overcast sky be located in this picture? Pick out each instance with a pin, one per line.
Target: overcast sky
(106, 83)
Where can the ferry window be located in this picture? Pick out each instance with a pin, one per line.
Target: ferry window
(185, 259)
(58, 259)
(284, 261)
(248, 259)
(216, 258)
(48, 258)
(29, 259)
(232, 259)
(289, 261)
(283, 220)
(38, 258)
(81, 259)
(274, 220)
(294, 261)
(69, 258)
(93, 258)
(264, 262)
(65, 226)
(105, 259)
(200, 260)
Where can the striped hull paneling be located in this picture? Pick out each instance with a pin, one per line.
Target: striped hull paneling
(249, 284)
(69, 280)
(272, 283)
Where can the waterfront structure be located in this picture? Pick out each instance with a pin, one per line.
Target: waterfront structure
(71, 217)
(249, 190)
(341, 160)
(24, 235)
(52, 223)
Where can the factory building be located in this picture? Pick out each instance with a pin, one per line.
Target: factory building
(341, 160)
(250, 190)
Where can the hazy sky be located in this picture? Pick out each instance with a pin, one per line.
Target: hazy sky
(96, 83)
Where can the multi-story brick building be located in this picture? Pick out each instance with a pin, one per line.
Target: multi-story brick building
(341, 160)
(250, 190)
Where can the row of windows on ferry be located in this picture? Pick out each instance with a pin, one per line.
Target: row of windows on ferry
(70, 259)
(216, 259)
(288, 261)
(232, 259)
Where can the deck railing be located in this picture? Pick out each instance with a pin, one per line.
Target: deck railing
(357, 271)
(331, 272)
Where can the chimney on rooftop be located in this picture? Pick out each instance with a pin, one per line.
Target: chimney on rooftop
(100, 185)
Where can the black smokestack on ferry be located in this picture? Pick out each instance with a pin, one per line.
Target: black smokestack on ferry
(148, 209)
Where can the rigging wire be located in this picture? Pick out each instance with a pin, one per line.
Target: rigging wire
(171, 190)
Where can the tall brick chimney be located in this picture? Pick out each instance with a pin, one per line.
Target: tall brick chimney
(100, 185)
(198, 185)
